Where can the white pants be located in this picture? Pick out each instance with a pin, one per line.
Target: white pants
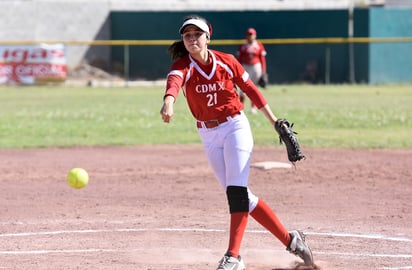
(229, 149)
(255, 71)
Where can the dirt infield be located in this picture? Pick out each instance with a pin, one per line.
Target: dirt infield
(159, 207)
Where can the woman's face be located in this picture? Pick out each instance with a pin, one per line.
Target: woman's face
(251, 37)
(195, 40)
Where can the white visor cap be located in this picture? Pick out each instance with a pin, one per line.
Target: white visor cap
(196, 22)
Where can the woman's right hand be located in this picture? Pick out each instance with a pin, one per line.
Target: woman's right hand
(167, 109)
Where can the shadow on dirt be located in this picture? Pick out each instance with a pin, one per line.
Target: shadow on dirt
(299, 266)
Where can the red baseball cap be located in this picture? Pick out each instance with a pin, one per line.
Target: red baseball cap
(251, 31)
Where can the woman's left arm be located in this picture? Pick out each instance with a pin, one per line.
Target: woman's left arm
(267, 112)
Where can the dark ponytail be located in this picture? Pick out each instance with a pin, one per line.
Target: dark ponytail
(177, 50)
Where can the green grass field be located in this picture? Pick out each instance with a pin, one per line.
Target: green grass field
(360, 116)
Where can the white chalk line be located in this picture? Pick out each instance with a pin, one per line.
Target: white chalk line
(328, 234)
(120, 230)
(94, 250)
(374, 255)
(394, 268)
(365, 236)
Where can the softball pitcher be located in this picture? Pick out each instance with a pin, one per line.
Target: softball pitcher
(208, 80)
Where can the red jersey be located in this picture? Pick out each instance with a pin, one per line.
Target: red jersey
(251, 54)
(210, 90)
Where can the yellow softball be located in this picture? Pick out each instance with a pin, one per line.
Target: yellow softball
(77, 178)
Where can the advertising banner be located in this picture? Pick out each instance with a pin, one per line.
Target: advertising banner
(31, 64)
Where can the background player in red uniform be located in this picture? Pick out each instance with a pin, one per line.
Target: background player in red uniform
(208, 80)
(252, 56)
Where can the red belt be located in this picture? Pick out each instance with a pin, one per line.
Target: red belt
(215, 122)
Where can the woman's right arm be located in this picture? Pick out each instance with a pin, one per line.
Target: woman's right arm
(167, 108)
(173, 85)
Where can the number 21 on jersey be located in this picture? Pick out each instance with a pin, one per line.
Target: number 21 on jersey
(211, 99)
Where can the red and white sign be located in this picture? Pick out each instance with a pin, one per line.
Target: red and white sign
(31, 64)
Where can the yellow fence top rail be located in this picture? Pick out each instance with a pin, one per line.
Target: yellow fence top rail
(214, 42)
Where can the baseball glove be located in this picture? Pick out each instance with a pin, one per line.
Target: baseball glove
(263, 81)
(289, 138)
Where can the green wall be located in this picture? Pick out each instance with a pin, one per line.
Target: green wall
(361, 50)
(390, 62)
(286, 63)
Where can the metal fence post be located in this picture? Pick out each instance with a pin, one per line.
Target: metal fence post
(327, 65)
(126, 64)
